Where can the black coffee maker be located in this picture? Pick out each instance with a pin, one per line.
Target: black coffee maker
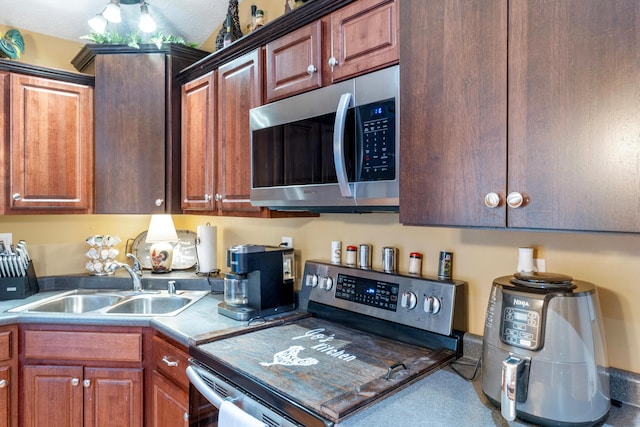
(260, 282)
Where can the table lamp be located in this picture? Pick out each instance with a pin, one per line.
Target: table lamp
(161, 233)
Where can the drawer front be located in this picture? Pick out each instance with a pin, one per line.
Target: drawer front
(170, 361)
(5, 345)
(87, 346)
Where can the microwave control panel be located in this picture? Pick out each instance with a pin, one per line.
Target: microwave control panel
(378, 129)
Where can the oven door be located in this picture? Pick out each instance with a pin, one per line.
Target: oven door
(208, 393)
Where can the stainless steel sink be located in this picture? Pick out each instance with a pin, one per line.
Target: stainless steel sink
(79, 303)
(150, 304)
(145, 303)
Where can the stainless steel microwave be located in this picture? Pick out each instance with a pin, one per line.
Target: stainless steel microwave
(334, 149)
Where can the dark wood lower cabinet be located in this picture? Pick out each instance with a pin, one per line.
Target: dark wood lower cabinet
(170, 403)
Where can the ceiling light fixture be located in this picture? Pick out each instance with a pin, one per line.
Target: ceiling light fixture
(111, 13)
(147, 24)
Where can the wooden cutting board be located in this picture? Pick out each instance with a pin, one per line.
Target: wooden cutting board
(327, 368)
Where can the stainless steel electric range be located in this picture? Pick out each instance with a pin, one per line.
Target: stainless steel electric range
(364, 335)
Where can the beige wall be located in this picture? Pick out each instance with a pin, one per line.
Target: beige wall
(47, 51)
(272, 9)
(608, 260)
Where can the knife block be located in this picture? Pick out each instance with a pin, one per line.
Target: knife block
(19, 287)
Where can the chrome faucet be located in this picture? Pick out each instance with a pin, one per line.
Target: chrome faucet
(135, 272)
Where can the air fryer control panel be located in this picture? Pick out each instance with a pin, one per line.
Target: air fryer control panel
(522, 321)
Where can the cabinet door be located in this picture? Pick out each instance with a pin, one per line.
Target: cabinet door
(574, 133)
(170, 403)
(52, 396)
(294, 62)
(51, 145)
(5, 396)
(364, 37)
(453, 111)
(130, 133)
(239, 90)
(113, 397)
(198, 143)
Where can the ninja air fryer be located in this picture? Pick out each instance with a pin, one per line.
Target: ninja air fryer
(543, 354)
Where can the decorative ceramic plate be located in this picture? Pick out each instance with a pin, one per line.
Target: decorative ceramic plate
(184, 252)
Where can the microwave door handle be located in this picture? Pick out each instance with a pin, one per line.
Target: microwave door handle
(203, 387)
(338, 145)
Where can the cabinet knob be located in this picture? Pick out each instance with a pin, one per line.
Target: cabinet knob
(207, 197)
(159, 202)
(185, 416)
(218, 197)
(86, 383)
(4, 383)
(311, 70)
(169, 362)
(333, 62)
(515, 199)
(75, 381)
(492, 200)
(17, 196)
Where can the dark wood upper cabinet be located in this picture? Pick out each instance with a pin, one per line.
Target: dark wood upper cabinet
(453, 111)
(137, 126)
(574, 127)
(46, 134)
(525, 99)
(199, 157)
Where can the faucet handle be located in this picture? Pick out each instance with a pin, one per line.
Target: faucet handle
(137, 267)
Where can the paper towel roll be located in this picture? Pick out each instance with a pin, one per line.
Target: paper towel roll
(206, 248)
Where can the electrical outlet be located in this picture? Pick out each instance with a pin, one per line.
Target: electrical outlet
(539, 265)
(288, 241)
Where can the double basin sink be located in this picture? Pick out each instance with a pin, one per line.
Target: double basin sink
(142, 303)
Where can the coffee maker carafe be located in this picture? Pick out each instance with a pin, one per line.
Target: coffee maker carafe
(260, 281)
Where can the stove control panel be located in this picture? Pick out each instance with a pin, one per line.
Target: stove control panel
(420, 302)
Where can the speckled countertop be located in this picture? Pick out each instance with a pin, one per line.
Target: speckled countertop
(441, 399)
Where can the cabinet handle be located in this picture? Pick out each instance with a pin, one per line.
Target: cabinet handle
(86, 383)
(75, 381)
(311, 70)
(333, 62)
(4, 383)
(492, 200)
(17, 196)
(515, 200)
(168, 362)
(159, 202)
(185, 416)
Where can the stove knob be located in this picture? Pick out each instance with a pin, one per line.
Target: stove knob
(328, 284)
(409, 300)
(312, 280)
(432, 305)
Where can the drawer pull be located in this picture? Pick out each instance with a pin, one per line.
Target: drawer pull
(4, 383)
(169, 362)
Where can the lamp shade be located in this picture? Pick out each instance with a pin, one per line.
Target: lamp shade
(161, 229)
(112, 12)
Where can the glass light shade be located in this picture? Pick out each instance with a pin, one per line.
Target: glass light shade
(98, 23)
(147, 24)
(161, 232)
(112, 12)
(161, 229)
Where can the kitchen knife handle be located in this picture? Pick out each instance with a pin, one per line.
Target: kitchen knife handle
(338, 145)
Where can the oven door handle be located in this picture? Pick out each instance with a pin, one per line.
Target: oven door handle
(338, 145)
(203, 387)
